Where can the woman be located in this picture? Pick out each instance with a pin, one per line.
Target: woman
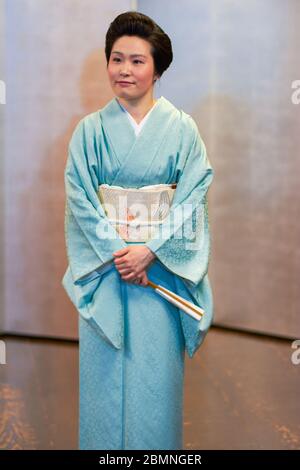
(132, 342)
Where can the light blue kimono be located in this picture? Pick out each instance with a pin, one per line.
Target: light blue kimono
(132, 341)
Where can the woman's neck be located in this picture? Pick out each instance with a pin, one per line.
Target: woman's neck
(138, 108)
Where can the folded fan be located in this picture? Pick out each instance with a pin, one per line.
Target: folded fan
(188, 307)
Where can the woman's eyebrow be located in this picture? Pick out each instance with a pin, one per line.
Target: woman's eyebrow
(131, 55)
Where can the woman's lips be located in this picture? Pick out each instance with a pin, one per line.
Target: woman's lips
(124, 83)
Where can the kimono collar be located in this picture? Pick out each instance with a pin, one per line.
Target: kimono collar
(126, 147)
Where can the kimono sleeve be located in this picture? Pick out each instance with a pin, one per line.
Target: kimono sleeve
(183, 243)
(90, 238)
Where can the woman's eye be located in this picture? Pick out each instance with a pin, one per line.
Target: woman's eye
(136, 60)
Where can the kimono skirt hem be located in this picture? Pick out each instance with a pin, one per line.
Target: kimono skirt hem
(132, 398)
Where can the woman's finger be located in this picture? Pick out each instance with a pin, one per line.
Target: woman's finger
(120, 262)
(129, 277)
(144, 280)
(124, 270)
(121, 252)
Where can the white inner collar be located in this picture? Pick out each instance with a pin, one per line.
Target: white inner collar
(137, 127)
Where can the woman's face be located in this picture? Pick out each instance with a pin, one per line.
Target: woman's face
(131, 61)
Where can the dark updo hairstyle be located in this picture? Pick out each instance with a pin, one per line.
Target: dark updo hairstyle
(133, 23)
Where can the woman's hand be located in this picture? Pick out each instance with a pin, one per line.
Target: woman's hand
(132, 261)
